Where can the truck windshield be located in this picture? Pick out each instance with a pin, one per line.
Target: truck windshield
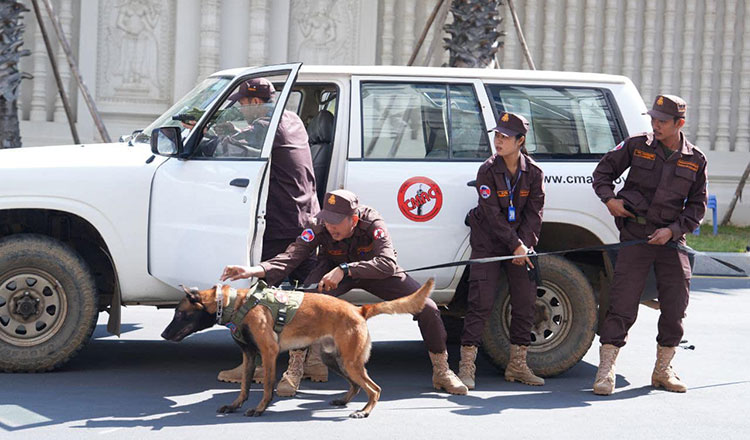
(190, 107)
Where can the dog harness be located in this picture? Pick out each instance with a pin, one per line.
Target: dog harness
(282, 304)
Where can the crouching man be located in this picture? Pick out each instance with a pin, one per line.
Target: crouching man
(354, 251)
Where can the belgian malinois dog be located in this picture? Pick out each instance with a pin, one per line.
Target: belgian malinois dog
(340, 327)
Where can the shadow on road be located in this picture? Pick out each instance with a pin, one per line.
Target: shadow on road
(159, 384)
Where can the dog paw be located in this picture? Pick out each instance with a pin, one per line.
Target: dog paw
(359, 415)
(338, 402)
(226, 409)
(253, 413)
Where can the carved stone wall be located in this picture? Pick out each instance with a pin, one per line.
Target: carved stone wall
(324, 31)
(134, 54)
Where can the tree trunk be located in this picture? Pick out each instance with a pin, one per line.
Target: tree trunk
(474, 37)
(11, 40)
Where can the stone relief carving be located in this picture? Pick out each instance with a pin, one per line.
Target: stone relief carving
(135, 38)
(324, 31)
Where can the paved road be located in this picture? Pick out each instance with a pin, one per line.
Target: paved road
(141, 386)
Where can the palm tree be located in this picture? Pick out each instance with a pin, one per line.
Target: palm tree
(474, 38)
(11, 40)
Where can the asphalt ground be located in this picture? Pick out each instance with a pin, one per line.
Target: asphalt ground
(139, 386)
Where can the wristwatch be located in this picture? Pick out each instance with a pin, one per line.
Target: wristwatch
(344, 267)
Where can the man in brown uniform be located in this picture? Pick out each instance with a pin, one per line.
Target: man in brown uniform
(664, 197)
(354, 251)
(291, 193)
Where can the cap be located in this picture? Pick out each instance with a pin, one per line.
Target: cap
(668, 107)
(511, 124)
(337, 206)
(252, 88)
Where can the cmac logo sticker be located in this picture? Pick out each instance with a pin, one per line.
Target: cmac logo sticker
(420, 199)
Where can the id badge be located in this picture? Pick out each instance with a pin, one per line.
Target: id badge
(511, 213)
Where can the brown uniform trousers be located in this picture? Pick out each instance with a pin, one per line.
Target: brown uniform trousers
(662, 192)
(372, 267)
(492, 235)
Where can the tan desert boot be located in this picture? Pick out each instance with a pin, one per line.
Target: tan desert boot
(517, 370)
(466, 367)
(604, 384)
(442, 376)
(235, 375)
(663, 375)
(314, 368)
(289, 382)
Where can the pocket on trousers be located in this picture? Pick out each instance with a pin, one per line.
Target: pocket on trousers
(477, 272)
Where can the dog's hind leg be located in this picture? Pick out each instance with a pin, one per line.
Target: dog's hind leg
(248, 366)
(333, 362)
(358, 375)
(268, 354)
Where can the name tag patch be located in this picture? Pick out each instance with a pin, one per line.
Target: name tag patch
(689, 165)
(644, 155)
(524, 193)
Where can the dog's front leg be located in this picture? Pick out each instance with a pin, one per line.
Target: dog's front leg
(248, 367)
(268, 354)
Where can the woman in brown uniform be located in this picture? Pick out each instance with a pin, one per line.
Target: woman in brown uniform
(506, 221)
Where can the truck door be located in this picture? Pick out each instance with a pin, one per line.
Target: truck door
(208, 210)
(414, 145)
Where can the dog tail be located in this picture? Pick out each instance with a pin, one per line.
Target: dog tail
(413, 303)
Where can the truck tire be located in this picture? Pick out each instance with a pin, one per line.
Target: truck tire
(564, 322)
(48, 303)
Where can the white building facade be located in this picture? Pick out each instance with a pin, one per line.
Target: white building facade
(138, 56)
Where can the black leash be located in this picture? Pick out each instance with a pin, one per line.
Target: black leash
(602, 247)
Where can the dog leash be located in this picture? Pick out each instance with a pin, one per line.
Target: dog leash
(602, 247)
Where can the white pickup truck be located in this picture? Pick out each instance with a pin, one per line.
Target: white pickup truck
(91, 228)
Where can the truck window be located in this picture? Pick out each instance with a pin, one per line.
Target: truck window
(564, 121)
(422, 121)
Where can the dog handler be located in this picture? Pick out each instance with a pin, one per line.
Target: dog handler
(663, 198)
(354, 251)
(507, 220)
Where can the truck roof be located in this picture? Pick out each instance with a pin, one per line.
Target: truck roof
(501, 74)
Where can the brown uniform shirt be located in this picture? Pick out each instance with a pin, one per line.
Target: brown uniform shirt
(291, 194)
(489, 220)
(369, 252)
(667, 192)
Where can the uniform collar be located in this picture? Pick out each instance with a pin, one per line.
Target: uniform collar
(502, 168)
(685, 147)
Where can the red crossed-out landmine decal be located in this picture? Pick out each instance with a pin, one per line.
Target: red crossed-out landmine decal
(419, 199)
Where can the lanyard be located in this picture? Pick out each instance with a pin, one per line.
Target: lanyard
(513, 188)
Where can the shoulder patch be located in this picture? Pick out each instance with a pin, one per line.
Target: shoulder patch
(484, 191)
(307, 235)
(378, 233)
(619, 146)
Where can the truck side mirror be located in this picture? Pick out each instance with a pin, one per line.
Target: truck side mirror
(167, 141)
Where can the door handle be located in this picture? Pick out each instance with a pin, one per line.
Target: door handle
(240, 182)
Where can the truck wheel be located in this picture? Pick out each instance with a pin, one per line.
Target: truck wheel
(48, 303)
(564, 321)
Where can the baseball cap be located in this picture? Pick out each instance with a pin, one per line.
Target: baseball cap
(511, 124)
(668, 107)
(337, 206)
(256, 87)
